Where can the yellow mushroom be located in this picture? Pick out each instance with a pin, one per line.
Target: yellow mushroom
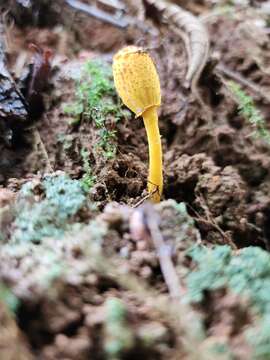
(137, 83)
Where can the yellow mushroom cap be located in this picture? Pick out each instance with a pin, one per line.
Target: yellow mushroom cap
(136, 79)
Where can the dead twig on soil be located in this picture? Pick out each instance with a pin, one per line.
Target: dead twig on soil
(163, 250)
(98, 14)
(214, 225)
(222, 69)
(196, 40)
(210, 221)
(149, 195)
(140, 202)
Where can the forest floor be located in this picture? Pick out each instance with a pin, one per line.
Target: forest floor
(82, 269)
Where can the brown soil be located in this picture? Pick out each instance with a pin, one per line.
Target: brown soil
(218, 170)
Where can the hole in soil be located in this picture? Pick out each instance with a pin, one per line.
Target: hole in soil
(218, 309)
(30, 321)
(169, 133)
(116, 190)
(181, 192)
(235, 120)
(250, 238)
(142, 353)
(252, 68)
(72, 329)
(225, 139)
(121, 167)
(106, 284)
(12, 158)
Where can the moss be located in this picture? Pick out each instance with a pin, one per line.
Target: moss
(52, 216)
(247, 108)
(246, 273)
(88, 180)
(96, 101)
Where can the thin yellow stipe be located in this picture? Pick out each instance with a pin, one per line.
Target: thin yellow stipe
(155, 178)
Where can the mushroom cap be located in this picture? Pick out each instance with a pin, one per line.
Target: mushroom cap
(136, 79)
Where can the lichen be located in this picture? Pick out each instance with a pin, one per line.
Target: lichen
(119, 336)
(52, 216)
(8, 298)
(39, 266)
(259, 338)
(246, 273)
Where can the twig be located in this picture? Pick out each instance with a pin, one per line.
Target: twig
(156, 190)
(214, 225)
(164, 254)
(99, 14)
(143, 199)
(240, 79)
(210, 221)
(195, 36)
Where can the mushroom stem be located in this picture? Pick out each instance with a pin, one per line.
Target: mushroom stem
(155, 178)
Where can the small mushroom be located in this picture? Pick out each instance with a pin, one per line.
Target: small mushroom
(137, 83)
